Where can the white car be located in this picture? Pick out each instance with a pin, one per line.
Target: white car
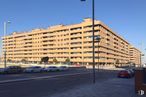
(62, 68)
(34, 69)
(51, 68)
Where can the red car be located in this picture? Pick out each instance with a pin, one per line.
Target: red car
(124, 74)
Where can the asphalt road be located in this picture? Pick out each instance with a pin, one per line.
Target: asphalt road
(42, 87)
(30, 75)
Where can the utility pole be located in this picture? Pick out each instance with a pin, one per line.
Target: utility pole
(5, 50)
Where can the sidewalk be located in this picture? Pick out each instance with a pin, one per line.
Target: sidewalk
(111, 88)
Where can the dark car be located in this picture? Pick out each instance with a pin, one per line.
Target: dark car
(132, 71)
(2, 70)
(13, 69)
(125, 74)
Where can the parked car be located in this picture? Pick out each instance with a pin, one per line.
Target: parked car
(33, 69)
(2, 70)
(12, 69)
(77, 65)
(124, 74)
(51, 68)
(62, 68)
(132, 71)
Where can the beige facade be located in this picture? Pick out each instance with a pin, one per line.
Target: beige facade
(68, 41)
(135, 55)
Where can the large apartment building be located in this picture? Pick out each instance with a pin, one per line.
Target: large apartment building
(68, 41)
(135, 55)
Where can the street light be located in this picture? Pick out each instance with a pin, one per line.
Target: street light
(144, 59)
(93, 39)
(5, 31)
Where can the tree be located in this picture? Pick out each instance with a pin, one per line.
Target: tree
(9, 60)
(117, 63)
(67, 61)
(55, 60)
(44, 60)
(23, 60)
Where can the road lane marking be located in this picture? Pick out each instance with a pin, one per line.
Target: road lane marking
(43, 77)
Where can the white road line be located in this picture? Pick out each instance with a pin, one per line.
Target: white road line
(35, 78)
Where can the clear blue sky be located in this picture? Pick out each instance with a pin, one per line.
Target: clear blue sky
(126, 17)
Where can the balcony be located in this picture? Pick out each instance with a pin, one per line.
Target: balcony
(77, 39)
(76, 45)
(87, 44)
(76, 55)
(87, 54)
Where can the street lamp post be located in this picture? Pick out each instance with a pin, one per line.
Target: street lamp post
(140, 60)
(144, 59)
(93, 42)
(141, 55)
(5, 52)
(93, 36)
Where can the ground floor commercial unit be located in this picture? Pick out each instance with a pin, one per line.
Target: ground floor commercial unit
(68, 41)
